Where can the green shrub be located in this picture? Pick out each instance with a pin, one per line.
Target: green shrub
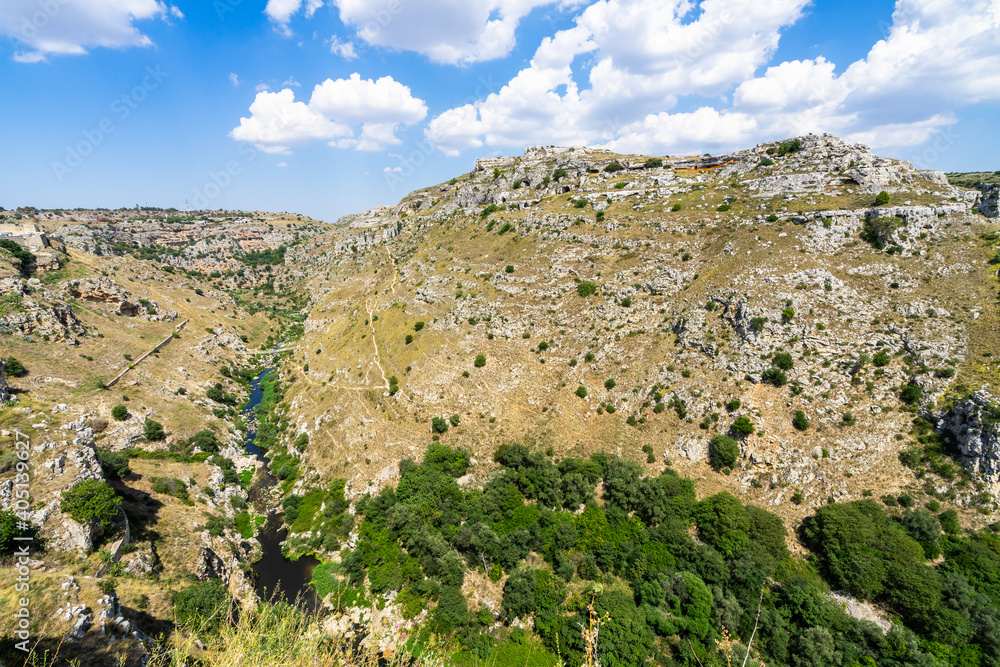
(723, 452)
(733, 405)
(757, 324)
(580, 203)
(480, 360)
(653, 163)
(14, 368)
(581, 391)
(788, 313)
(881, 358)
(772, 218)
(302, 439)
(783, 360)
(613, 167)
(119, 412)
(609, 384)
(800, 421)
(153, 430)
(742, 426)
(9, 530)
(418, 326)
(492, 208)
(774, 376)
(789, 147)
(25, 257)
(439, 425)
(204, 606)
(558, 174)
(879, 232)
(722, 208)
(911, 393)
(882, 199)
(114, 464)
(766, 162)
(509, 268)
(676, 207)
(455, 420)
(586, 288)
(91, 501)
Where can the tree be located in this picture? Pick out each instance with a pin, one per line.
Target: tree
(722, 523)
(800, 421)
(881, 358)
(9, 530)
(742, 426)
(879, 232)
(114, 464)
(91, 501)
(205, 441)
(581, 391)
(925, 528)
(882, 199)
(153, 430)
(119, 412)
(480, 360)
(14, 368)
(723, 452)
(653, 163)
(609, 384)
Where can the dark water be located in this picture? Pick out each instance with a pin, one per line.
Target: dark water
(276, 577)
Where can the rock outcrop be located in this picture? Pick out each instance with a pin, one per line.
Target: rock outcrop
(975, 423)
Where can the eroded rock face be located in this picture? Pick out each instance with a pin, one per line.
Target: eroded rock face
(989, 202)
(975, 423)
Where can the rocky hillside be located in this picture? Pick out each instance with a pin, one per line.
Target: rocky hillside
(680, 294)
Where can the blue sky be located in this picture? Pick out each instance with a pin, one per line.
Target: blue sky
(327, 107)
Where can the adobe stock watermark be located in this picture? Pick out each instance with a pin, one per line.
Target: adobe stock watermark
(121, 108)
(944, 140)
(36, 22)
(219, 180)
(22, 542)
(407, 165)
(223, 7)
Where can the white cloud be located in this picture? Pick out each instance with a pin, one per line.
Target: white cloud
(291, 82)
(642, 56)
(61, 27)
(348, 113)
(446, 31)
(234, 79)
(282, 164)
(392, 170)
(343, 49)
(261, 87)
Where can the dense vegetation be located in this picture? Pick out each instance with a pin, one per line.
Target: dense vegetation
(631, 558)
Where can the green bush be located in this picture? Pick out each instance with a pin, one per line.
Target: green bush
(723, 452)
(800, 421)
(879, 232)
(788, 313)
(25, 257)
(119, 412)
(766, 162)
(586, 288)
(774, 376)
(789, 147)
(14, 368)
(9, 531)
(722, 208)
(581, 391)
(772, 218)
(580, 203)
(393, 385)
(91, 502)
(417, 326)
(911, 393)
(559, 174)
(114, 464)
(455, 420)
(153, 430)
(613, 167)
(783, 360)
(676, 207)
(757, 324)
(480, 360)
(203, 607)
(509, 268)
(302, 439)
(653, 163)
(882, 199)
(742, 426)
(439, 425)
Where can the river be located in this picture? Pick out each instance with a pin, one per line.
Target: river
(275, 576)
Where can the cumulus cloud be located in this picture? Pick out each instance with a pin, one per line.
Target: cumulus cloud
(446, 31)
(642, 57)
(347, 113)
(62, 27)
(234, 78)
